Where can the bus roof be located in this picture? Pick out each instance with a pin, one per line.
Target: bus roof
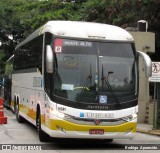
(79, 29)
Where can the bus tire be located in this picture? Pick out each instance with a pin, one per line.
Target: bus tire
(43, 137)
(19, 118)
(15, 105)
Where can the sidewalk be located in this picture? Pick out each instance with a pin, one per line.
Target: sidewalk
(148, 129)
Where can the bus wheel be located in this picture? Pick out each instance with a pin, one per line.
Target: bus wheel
(20, 119)
(43, 137)
(14, 108)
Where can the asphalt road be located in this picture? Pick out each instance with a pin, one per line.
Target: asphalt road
(24, 136)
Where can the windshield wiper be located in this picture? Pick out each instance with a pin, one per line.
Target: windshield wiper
(88, 80)
(105, 80)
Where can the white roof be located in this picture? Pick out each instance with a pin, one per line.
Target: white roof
(79, 29)
(87, 30)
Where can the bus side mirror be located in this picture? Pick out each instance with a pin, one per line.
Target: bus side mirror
(148, 63)
(49, 59)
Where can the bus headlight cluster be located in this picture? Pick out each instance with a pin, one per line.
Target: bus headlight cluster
(130, 117)
(56, 113)
(59, 114)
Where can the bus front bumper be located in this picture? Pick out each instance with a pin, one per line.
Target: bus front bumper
(65, 129)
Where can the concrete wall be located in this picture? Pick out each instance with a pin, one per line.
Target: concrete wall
(144, 41)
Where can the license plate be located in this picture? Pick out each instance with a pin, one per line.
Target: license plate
(96, 131)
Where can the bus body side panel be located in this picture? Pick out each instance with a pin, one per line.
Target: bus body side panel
(27, 90)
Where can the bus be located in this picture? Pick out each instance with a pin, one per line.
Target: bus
(75, 79)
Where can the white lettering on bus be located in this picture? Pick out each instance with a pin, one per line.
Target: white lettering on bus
(77, 43)
(99, 115)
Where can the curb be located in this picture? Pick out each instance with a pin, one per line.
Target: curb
(148, 132)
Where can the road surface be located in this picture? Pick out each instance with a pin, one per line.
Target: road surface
(21, 136)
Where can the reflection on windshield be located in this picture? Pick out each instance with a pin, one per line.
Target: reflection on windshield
(122, 76)
(73, 79)
(119, 67)
(78, 74)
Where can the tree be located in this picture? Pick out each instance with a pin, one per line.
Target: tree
(19, 18)
(11, 31)
(125, 13)
(122, 12)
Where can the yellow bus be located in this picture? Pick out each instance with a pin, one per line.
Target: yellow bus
(78, 80)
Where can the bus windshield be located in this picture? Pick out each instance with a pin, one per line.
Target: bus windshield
(90, 71)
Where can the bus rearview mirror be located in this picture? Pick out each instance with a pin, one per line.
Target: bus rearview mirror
(148, 63)
(49, 59)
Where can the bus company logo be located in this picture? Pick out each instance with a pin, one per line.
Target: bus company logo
(97, 122)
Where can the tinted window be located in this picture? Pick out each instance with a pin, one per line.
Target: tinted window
(29, 55)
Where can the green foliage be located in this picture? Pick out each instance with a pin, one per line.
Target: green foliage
(125, 13)
(122, 12)
(2, 55)
(54, 10)
(19, 18)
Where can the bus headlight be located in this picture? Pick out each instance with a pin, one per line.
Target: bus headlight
(130, 117)
(60, 114)
(56, 113)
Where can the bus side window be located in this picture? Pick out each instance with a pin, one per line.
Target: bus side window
(29, 55)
